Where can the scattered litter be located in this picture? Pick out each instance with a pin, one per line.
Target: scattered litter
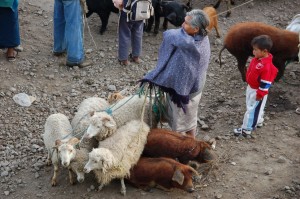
(23, 99)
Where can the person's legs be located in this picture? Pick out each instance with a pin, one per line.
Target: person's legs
(136, 38)
(73, 31)
(124, 38)
(254, 109)
(59, 27)
(260, 119)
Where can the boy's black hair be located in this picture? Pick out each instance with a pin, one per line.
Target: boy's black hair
(263, 42)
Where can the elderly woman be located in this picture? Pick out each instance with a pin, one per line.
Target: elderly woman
(9, 28)
(181, 71)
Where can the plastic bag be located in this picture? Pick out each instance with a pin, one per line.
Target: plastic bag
(23, 99)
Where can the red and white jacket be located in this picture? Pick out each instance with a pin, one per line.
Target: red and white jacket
(261, 74)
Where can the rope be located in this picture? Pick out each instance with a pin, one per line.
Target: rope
(84, 9)
(233, 8)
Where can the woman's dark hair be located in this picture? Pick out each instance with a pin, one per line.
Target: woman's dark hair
(263, 42)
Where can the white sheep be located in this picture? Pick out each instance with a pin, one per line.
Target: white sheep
(126, 109)
(76, 166)
(81, 120)
(118, 153)
(59, 142)
(294, 25)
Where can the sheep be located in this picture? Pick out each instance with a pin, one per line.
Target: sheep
(213, 19)
(80, 122)
(77, 165)
(165, 172)
(118, 153)
(294, 25)
(59, 142)
(166, 143)
(238, 43)
(127, 109)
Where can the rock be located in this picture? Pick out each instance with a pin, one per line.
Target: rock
(204, 127)
(111, 88)
(6, 193)
(269, 171)
(218, 196)
(4, 173)
(281, 159)
(233, 163)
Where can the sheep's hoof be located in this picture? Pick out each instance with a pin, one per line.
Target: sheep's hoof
(100, 187)
(123, 192)
(53, 183)
(48, 162)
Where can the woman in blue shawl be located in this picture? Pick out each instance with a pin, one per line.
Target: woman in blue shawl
(181, 70)
(9, 27)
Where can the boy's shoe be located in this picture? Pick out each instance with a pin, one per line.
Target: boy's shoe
(259, 125)
(243, 132)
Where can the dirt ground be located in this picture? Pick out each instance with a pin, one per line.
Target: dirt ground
(267, 166)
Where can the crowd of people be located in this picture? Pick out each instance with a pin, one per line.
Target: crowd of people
(182, 64)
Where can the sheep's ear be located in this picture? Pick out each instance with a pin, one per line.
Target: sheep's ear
(108, 122)
(178, 177)
(92, 113)
(57, 143)
(73, 141)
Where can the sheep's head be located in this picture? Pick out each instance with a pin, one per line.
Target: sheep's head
(206, 153)
(66, 150)
(101, 125)
(114, 97)
(100, 159)
(78, 169)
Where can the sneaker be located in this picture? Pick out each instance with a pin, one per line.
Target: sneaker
(240, 131)
(259, 125)
(80, 65)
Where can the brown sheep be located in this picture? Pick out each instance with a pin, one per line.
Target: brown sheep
(164, 172)
(213, 19)
(166, 143)
(238, 43)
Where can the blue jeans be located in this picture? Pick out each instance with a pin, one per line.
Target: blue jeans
(130, 34)
(68, 30)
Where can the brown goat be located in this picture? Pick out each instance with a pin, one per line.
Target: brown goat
(238, 43)
(164, 172)
(165, 143)
(213, 19)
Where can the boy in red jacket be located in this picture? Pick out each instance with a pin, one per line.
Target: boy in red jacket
(260, 75)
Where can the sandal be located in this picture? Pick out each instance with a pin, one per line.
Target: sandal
(124, 62)
(12, 58)
(135, 59)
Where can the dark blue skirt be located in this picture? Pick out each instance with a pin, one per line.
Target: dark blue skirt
(9, 28)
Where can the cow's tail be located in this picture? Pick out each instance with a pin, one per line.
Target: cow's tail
(220, 61)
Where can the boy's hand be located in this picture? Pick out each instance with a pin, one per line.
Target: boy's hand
(258, 98)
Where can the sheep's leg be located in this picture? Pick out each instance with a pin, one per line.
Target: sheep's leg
(217, 31)
(242, 60)
(100, 187)
(48, 162)
(53, 181)
(280, 65)
(71, 177)
(228, 2)
(123, 187)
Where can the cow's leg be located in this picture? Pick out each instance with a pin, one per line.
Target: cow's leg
(228, 2)
(165, 24)
(104, 19)
(157, 21)
(149, 24)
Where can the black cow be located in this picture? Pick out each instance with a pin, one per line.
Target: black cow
(172, 11)
(103, 8)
